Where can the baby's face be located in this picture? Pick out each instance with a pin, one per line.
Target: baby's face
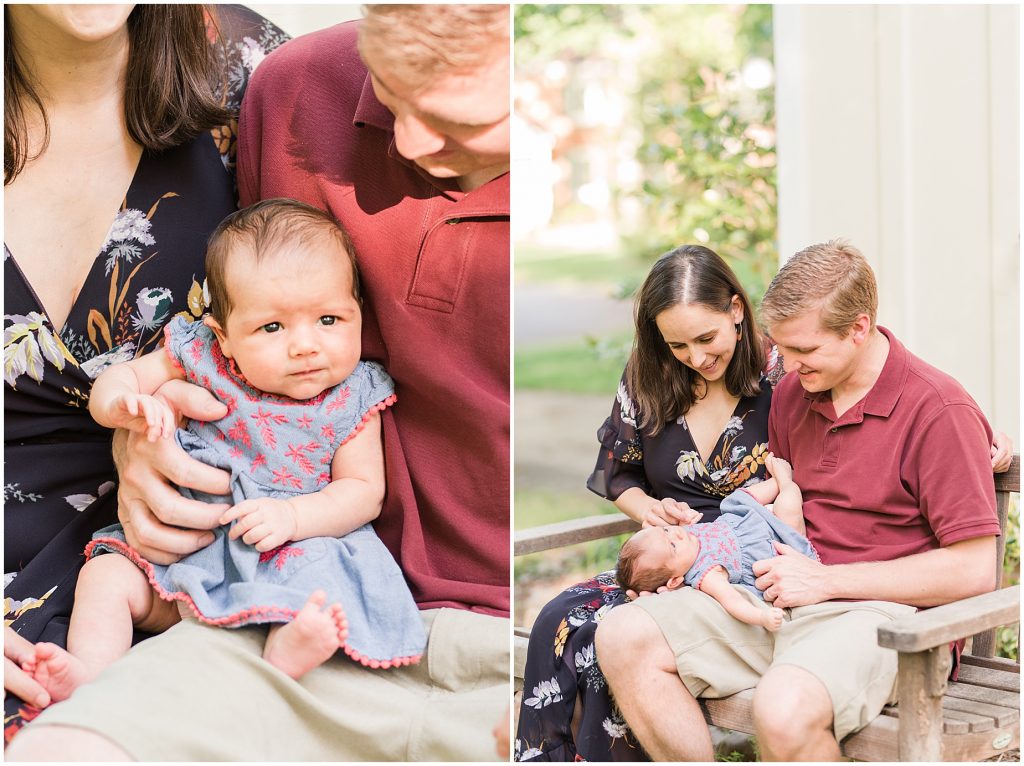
(294, 329)
(671, 547)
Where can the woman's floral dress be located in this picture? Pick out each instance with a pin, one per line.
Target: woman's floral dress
(561, 665)
(59, 480)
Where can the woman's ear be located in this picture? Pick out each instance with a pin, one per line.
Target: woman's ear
(222, 337)
(736, 309)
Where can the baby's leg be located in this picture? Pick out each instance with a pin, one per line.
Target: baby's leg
(309, 640)
(789, 505)
(112, 595)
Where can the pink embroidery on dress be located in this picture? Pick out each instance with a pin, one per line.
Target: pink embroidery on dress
(298, 455)
(285, 477)
(239, 432)
(280, 555)
(264, 420)
(304, 422)
(327, 431)
(324, 478)
(196, 349)
(339, 401)
(259, 460)
(235, 452)
(229, 401)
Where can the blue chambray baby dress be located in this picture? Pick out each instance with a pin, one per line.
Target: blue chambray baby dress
(279, 447)
(743, 534)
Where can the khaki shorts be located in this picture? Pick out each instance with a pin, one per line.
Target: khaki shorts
(836, 641)
(200, 693)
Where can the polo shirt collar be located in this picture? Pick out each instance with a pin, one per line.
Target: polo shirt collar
(882, 398)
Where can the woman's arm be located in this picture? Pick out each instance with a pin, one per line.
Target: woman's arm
(716, 584)
(353, 498)
(650, 512)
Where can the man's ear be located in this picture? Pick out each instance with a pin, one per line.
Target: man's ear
(222, 337)
(860, 330)
(675, 582)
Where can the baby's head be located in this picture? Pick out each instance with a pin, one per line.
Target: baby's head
(656, 556)
(284, 297)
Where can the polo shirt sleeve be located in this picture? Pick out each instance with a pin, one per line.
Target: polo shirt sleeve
(948, 468)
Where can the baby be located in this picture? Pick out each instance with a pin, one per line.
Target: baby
(302, 441)
(711, 556)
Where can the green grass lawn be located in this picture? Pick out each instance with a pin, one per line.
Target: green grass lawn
(535, 264)
(583, 368)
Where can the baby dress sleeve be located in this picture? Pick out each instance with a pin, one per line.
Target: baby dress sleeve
(186, 344)
(367, 390)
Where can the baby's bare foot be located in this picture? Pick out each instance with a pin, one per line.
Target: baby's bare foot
(57, 671)
(309, 640)
(780, 469)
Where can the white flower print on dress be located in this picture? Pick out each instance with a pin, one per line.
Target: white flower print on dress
(154, 305)
(123, 353)
(585, 658)
(27, 343)
(615, 729)
(544, 694)
(627, 410)
(252, 54)
(130, 226)
(83, 501)
(690, 465)
(734, 426)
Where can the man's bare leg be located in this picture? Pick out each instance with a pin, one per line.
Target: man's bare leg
(60, 743)
(642, 676)
(793, 717)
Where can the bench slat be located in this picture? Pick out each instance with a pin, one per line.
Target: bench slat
(563, 533)
(942, 624)
(993, 679)
(1001, 715)
(1004, 664)
(983, 694)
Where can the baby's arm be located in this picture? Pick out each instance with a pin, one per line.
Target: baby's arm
(353, 498)
(122, 396)
(716, 584)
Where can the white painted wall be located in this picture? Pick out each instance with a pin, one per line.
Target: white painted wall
(300, 18)
(899, 129)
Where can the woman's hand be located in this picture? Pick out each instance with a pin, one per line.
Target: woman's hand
(1002, 453)
(16, 680)
(668, 512)
(160, 523)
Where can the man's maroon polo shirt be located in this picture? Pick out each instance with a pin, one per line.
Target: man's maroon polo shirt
(905, 470)
(435, 266)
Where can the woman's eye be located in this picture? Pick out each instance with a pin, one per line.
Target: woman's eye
(271, 327)
(328, 320)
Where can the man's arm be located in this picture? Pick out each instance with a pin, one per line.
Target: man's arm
(959, 570)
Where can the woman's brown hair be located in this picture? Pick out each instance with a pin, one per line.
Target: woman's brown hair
(174, 89)
(661, 386)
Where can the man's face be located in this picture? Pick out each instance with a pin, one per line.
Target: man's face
(457, 126)
(822, 359)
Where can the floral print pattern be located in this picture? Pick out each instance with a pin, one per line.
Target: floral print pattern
(59, 484)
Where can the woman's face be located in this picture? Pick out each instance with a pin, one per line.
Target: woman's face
(84, 23)
(701, 338)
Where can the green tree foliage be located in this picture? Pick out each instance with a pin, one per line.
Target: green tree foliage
(707, 141)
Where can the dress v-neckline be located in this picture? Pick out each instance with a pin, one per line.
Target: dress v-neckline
(721, 435)
(9, 255)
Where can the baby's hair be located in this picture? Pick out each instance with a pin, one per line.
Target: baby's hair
(631, 576)
(263, 228)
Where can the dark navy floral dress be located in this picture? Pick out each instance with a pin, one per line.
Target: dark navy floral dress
(561, 665)
(59, 480)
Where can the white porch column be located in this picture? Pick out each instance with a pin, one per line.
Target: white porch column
(898, 128)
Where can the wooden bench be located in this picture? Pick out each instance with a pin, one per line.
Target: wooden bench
(974, 718)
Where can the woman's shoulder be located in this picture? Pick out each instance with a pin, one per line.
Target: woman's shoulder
(246, 38)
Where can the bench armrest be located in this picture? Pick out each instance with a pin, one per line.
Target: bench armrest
(574, 531)
(940, 625)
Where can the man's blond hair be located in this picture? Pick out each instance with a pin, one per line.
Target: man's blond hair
(834, 276)
(421, 42)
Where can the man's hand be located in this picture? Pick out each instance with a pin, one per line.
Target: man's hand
(791, 579)
(669, 512)
(16, 680)
(1002, 453)
(262, 522)
(160, 523)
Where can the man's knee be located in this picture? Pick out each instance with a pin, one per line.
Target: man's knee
(62, 743)
(628, 637)
(790, 705)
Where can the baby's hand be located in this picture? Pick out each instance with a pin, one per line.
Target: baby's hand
(772, 619)
(145, 414)
(262, 522)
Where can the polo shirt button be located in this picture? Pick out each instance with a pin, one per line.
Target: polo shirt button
(834, 430)
(452, 221)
